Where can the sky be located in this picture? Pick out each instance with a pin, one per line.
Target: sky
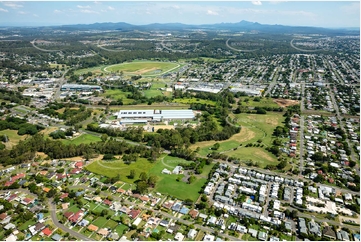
(329, 14)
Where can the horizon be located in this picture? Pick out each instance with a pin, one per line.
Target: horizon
(57, 13)
(36, 25)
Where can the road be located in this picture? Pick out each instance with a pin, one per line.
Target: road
(330, 222)
(62, 81)
(339, 117)
(302, 127)
(52, 209)
(272, 83)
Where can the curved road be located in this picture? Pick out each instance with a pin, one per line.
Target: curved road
(238, 49)
(44, 50)
(52, 209)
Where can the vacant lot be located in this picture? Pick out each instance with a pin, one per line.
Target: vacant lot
(168, 184)
(194, 100)
(143, 68)
(13, 137)
(117, 167)
(82, 139)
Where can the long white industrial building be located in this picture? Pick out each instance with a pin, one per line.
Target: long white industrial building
(156, 115)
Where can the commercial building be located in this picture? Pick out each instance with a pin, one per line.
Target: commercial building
(78, 87)
(156, 115)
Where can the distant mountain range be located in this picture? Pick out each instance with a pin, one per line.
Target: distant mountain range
(242, 26)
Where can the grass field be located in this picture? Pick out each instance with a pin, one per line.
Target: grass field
(82, 139)
(194, 100)
(168, 184)
(13, 137)
(112, 169)
(97, 69)
(254, 127)
(265, 102)
(148, 68)
(116, 94)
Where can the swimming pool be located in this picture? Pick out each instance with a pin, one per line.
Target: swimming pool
(249, 200)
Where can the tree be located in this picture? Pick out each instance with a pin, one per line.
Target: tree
(131, 174)
(216, 146)
(143, 176)
(104, 137)
(142, 187)
(152, 180)
(282, 164)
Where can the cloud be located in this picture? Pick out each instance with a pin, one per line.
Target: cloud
(88, 11)
(277, 2)
(210, 12)
(21, 12)
(3, 10)
(57, 11)
(256, 3)
(352, 8)
(35, 15)
(83, 7)
(12, 5)
(111, 8)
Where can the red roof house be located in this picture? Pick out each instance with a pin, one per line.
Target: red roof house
(47, 232)
(134, 213)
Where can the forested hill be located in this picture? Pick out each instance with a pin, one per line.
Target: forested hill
(242, 26)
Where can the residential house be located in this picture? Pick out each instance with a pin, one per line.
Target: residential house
(193, 213)
(328, 232)
(192, 233)
(208, 237)
(92, 227)
(262, 236)
(134, 213)
(56, 237)
(179, 237)
(47, 232)
(314, 228)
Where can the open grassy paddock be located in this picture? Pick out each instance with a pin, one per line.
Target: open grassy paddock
(82, 139)
(194, 100)
(168, 184)
(13, 137)
(264, 102)
(254, 127)
(117, 167)
(148, 68)
(94, 70)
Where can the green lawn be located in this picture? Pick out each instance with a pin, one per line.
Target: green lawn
(73, 209)
(110, 224)
(116, 94)
(82, 139)
(114, 168)
(120, 229)
(27, 224)
(100, 222)
(167, 184)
